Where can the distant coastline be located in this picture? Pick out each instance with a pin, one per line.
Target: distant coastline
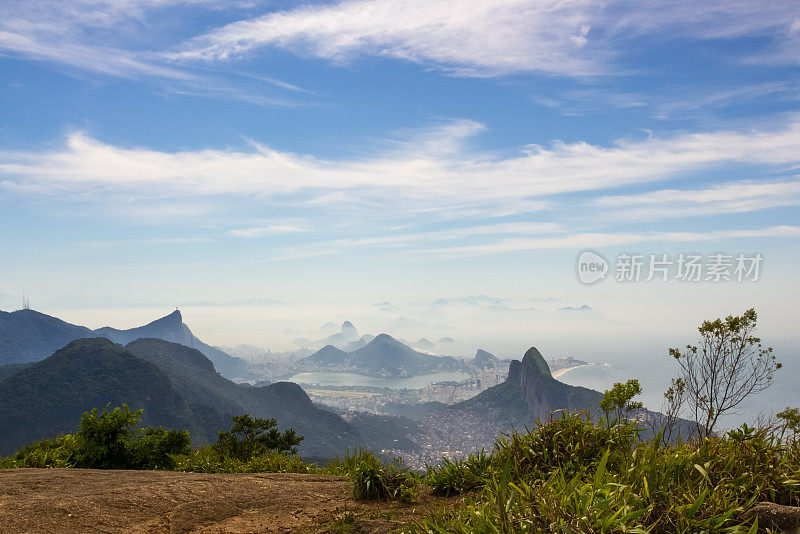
(559, 372)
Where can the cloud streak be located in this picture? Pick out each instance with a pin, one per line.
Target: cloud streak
(731, 197)
(417, 176)
(118, 39)
(429, 194)
(486, 38)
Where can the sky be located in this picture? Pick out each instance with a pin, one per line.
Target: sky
(425, 168)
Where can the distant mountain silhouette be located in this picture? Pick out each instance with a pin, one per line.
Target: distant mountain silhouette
(384, 355)
(341, 339)
(28, 336)
(362, 342)
(327, 355)
(177, 387)
(484, 359)
(172, 328)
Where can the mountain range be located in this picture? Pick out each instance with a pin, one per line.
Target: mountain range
(382, 356)
(177, 386)
(165, 370)
(29, 336)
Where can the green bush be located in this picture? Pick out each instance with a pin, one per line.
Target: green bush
(251, 437)
(457, 476)
(109, 440)
(155, 448)
(209, 460)
(103, 438)
(570, 443)
(376, 479)
(106, 439)
(56, 452)
(570, 475)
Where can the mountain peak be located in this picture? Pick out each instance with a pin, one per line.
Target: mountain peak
(349, 330)
(174, 316)
(534, 359)
(484, 358)
(383, 339)
(173, 320)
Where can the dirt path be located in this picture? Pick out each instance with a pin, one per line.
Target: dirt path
(78, 500)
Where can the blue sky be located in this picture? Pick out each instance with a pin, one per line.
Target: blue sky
(270, 166)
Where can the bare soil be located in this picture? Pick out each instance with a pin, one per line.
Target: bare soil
(89, 500)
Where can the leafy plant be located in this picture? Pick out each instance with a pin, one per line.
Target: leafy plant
(619, 401)
(375, 479)
(572, 475)
(251, 437)
(458, 476)
(727, 366)
(208, 460)
(103, 438)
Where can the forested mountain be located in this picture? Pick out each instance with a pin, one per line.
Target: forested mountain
(178, 387)
(29, 336)
(47, 398)
(215, 399)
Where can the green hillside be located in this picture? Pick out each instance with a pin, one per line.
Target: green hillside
(46, 398)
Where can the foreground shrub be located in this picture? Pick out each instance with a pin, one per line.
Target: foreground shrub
(570, 443)
(107, 439)
(457, 476)
(56, 452)
(376, 479)
(250, 437)
(209, 460)
(570, 475)
(155, 448)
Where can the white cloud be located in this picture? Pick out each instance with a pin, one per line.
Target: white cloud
(578, 241)
(483, 37)
(269, 230)
(107, 60)
(730, 197)
(423, 195)
(576, 38)
(119, 39)
(414, 177)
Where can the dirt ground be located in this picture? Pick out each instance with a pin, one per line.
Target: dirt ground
(78, 500)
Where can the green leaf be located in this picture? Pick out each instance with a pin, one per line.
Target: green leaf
(697, 504)
(601, 470)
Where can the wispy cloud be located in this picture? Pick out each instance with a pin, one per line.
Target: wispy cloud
(422, 195)
(145, 241)
(669, 102)
(413, 178)
(477, 38)
(269, 230)
(730, 197)
(578, 241)
(575, 38)
(119, 39)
